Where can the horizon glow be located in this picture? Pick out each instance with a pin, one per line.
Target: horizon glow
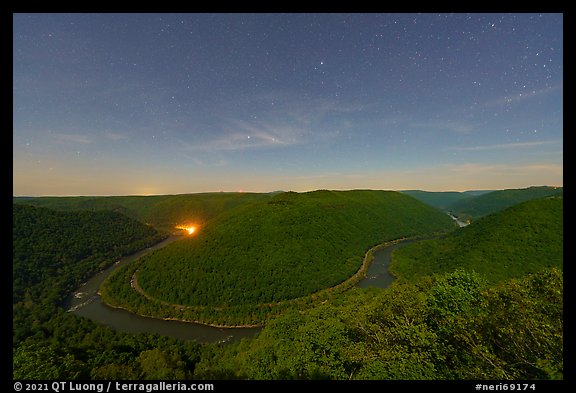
(158, 104)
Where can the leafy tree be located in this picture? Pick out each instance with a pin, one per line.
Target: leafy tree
(54, 252)
(115, 372)
(156, 364)
(269, 251)
(450, 326)
(458, 322)
(34, 361)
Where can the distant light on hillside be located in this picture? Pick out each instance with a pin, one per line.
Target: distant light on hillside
(189, 228)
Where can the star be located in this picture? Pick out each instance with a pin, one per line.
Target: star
(196, 84)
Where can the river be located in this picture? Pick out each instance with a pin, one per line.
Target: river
(87, 303)
(377, 274)
(458, 221)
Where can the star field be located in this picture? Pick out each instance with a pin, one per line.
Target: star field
(118, 104)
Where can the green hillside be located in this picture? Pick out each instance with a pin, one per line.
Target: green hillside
(445, 327)
(272, 250)
(442, 200)
(455, 325)
(519, 240)
(54, 251)
(493, 202)
(163, 211)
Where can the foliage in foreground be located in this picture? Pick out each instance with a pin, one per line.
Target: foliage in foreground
(451, 326)
(448, 326)
(53, 252)
(70, 347)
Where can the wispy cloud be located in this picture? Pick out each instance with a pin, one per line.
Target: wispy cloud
(474, 169)
(86, 139)
(242, 135)
(523, 96)
(114, 136)
(515, 145)
(298, 107)
(473, 175)
(511, 172)
(74, 138)
(448, 125)
(326, 105)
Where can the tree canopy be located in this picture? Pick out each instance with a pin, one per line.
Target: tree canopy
(270, 251)
(450, 326)
(511, 243)
(483, 302)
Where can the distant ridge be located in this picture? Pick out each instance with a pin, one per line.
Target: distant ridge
(511, 243)
(162, 211)
(442, 199)
(474, 204)
(495, 201)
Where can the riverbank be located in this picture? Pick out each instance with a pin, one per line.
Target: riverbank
(134, 285)
(304, 301)
(91, 286)
(174, 313)
(368, 259)
(211, 325)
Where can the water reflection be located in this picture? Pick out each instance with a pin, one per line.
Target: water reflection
(377, 274)
(87, 303)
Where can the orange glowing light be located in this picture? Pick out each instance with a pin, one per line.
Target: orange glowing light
(189, 228)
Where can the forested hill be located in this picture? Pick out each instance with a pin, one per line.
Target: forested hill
(519, 240)
(495, 201)
(280, 248)
(163, 211)
(54, 251)
(445, 327)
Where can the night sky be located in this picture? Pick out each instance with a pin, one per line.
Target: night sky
(123, 104)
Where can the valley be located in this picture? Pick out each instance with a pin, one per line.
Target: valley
(286, 262)
(262, 200)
